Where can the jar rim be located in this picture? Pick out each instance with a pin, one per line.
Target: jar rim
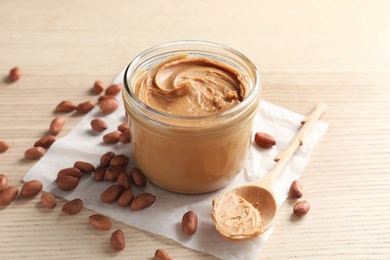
(133, 65)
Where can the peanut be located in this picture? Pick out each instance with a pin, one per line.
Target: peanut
(99, 125)
(98, 87)
(65, 106)
(3, 182)
(137, 177)
(8, 195)
(84, 167)
(56, 125)
(85, 107)
(117, 240)
(142, 201)
(123, 127)
(45, 141)
(125, 137)
(4, 146)
(108, 106)
(160, 254)
(112, 173)
(106, 158)
(111, 194)
(112, 137)
(295, 191)
(73, 207)
(99, 173)
(15, 74)
(126, 198)
(301, 208)
(100, 222)
(71, 171)
(113, 89)
(34, 153)
(124, 180)
(119, 160)
(189, 222)
(31, 188)
(264, 140)
(48, 200)
(67, 182)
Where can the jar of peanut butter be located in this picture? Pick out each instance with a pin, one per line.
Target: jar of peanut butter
(191, 105)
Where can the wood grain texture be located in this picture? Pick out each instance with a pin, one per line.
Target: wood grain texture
(307, 52)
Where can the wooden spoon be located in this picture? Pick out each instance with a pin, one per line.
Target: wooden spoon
(246, 212)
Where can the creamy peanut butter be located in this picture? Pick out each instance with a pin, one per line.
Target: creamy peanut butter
(235, 218)
(192, 86)
(189, 145)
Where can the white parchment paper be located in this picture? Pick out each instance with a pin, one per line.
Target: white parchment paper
(83, 144)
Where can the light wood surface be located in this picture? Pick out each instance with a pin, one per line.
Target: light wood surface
(337, 52)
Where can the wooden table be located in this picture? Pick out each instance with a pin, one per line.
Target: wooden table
(307, 52)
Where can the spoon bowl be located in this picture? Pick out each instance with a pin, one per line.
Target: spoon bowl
(246, 212)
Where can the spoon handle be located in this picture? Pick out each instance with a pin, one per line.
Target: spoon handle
(282, 158)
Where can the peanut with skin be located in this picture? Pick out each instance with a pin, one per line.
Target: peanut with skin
(4, 146)
(301, 208)
(8, 195)
(3, 182)
(34, 153)
(48, 200)
(56, 125)
(189, 223)
(160, 254)
(98, 87)
(85, 106)
(31, 188)
(117, 240)
(142, 201)
(72, 207)
(264, 140)
(15, 74)
(65, 107)
(100, 222)
(45, 141)
(99, 125)
(295, 191)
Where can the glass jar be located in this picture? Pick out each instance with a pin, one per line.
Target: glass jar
(190, 154)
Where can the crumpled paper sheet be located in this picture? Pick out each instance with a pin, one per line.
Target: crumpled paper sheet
(83, 144)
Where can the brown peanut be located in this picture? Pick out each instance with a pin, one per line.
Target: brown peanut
(84, 167)
(99, 173)
(71, 171)
(142, 201)
(112, 137)
(117, 240)
(108, 106)
(8, 195)
(34, 153)
(31, 188)
(126, 198)
(45, 141)
(48, 200)
(106, 158)
(65, 107)
(123, 127)
(3, 182)
(160, 254)
(111, 194)
(15, 74)
(119, 160)
(113, 89)
(85, 106)
(67, 182)
(137, 177)
(98, 87)
(264, 140)
(56, 125)
(301, 208)
(295, 191)
(124, 180)
(112, 173)
(100, 222)
(99, 125)
(73, 207)
(189, 222)
(4, 146)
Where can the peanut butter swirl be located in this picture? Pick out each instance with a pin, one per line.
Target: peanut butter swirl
(192, 86)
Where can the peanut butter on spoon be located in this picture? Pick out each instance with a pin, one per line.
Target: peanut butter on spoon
(245, 212)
